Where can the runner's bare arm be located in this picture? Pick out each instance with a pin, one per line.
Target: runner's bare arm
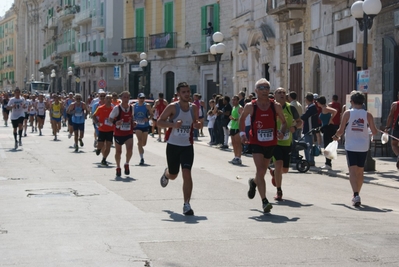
(169, 112)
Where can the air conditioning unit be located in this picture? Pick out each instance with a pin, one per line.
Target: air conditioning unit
(337, 16)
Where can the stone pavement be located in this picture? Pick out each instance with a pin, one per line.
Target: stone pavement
(386, 173)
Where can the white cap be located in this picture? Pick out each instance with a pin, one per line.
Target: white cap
(315, 96)
(101, 91)
(141, 95)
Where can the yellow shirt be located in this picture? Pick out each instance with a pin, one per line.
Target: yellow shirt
(56, 108)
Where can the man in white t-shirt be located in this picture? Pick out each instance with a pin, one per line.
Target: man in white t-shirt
(17, 106)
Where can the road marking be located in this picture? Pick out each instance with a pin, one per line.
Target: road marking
(2, 153)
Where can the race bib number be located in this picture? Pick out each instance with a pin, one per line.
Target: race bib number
(183, 131)
(78, 114)
(265, 135)
(126, 126)
(56, 113)
(107, 122)
(286, 136)
(140, 121)
(41, 111)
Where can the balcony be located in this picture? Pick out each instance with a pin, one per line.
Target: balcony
(67, 14)
(162, 41)
(98, 23)
(52, 23)
(107, 59)
(66, 48)
(134, 45)
(45, 63)
(82, 58)
(83, 17)
(294, 8)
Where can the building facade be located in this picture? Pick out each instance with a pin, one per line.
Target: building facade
(8, 44)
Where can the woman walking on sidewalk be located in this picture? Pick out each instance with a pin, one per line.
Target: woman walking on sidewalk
(355, 123)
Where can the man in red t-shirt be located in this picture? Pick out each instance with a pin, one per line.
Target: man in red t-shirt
(159, 106)
(337, 106)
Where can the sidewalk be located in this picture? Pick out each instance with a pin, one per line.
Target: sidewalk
(386, 173)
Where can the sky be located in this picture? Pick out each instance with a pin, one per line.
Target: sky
(4, 6)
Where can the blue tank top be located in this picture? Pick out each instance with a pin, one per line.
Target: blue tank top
(325, 118)
(78, 115)
(140, 115)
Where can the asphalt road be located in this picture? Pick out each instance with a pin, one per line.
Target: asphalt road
(61, 208)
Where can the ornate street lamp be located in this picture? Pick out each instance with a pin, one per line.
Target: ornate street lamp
(143, 66)
(364, 12)
(217, 50)
(41, 76)
(70, 73)
(52, 75)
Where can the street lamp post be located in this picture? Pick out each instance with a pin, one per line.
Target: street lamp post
(217, 50)
(32, 79)
(143, 66)
(70, 73)
(52, 75)
(41, 76)
(364, 12)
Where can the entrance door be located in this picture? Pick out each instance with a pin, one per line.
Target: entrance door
(389, 57)
(169, 85)
(134, 81)
(344, 77)
(296, 80)
(210, 90)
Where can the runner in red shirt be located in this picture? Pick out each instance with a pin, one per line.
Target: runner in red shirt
(158, 108)
(337, 106)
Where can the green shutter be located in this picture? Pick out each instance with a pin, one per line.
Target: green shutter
(168, 22)
(216, 18)
(64, 63)
(204, 24)
(140, 29)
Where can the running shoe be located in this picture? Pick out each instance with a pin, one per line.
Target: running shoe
(25, 135)
(279, 196)
(81, 142)
(98, 151)
(326, 167)
(127, 170)
(118, 172)
(35, 129)
(266, 207)
(55, 138)
(142, 162)
(356, 201)
(272, 174)
(104, 163)
(224, 147)
(40, 133)
(187, 210)
(252, 188)
(76, 147)
(164, 179)
(20, 143)
(5, 124)
(16, 145)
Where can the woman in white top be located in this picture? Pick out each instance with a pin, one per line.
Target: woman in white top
(355, 122)
(211, 121)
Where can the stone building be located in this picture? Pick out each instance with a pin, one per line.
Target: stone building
(8, 43)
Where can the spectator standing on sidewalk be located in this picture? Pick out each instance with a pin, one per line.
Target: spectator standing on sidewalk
(393, 123)
(309, 119)
(326, 116)
(357, 141)
(337, 106)
(234, 131)
(211, 121)
(292, 97)
(226, 112)
(263, 136)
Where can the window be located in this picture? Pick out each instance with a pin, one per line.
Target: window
(209, 13)
(296, 49)
(345, 36)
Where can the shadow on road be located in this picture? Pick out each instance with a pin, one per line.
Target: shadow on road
(273, 218)
(362, 208)
(292, 204)
(125, 180)
(177, 217)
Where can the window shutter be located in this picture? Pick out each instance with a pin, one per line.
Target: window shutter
(204, 24)
(216, 18)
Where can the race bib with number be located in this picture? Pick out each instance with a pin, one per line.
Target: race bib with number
(286, 136)
(265, 135)
(41, 111)
(183, 131)
(78, 114)
(140, 121)
(126, 126)
(108, 123)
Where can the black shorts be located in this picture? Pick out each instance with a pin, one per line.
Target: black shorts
(283, 153)
(18, 121)
(356, 158)
(41, 116)
(26, 115)
(79, 127)
(143, 129)
(69, 118)
(105, 136)
(267, 151)
(179, 156)
(234, 132)
(120, 140)
(6, 111)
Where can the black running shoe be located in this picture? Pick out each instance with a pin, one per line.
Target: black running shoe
(104, 163)
(118, 172)
(142, 162)
(81, 142)
(187, 210)
(98, 151)
(252, 188)
(127, 170)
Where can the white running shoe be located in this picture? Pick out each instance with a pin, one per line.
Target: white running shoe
(356, 201)
(187, 210)
(326, 167)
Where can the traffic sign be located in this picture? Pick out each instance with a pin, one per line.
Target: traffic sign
(363, 79)
(102, 84)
